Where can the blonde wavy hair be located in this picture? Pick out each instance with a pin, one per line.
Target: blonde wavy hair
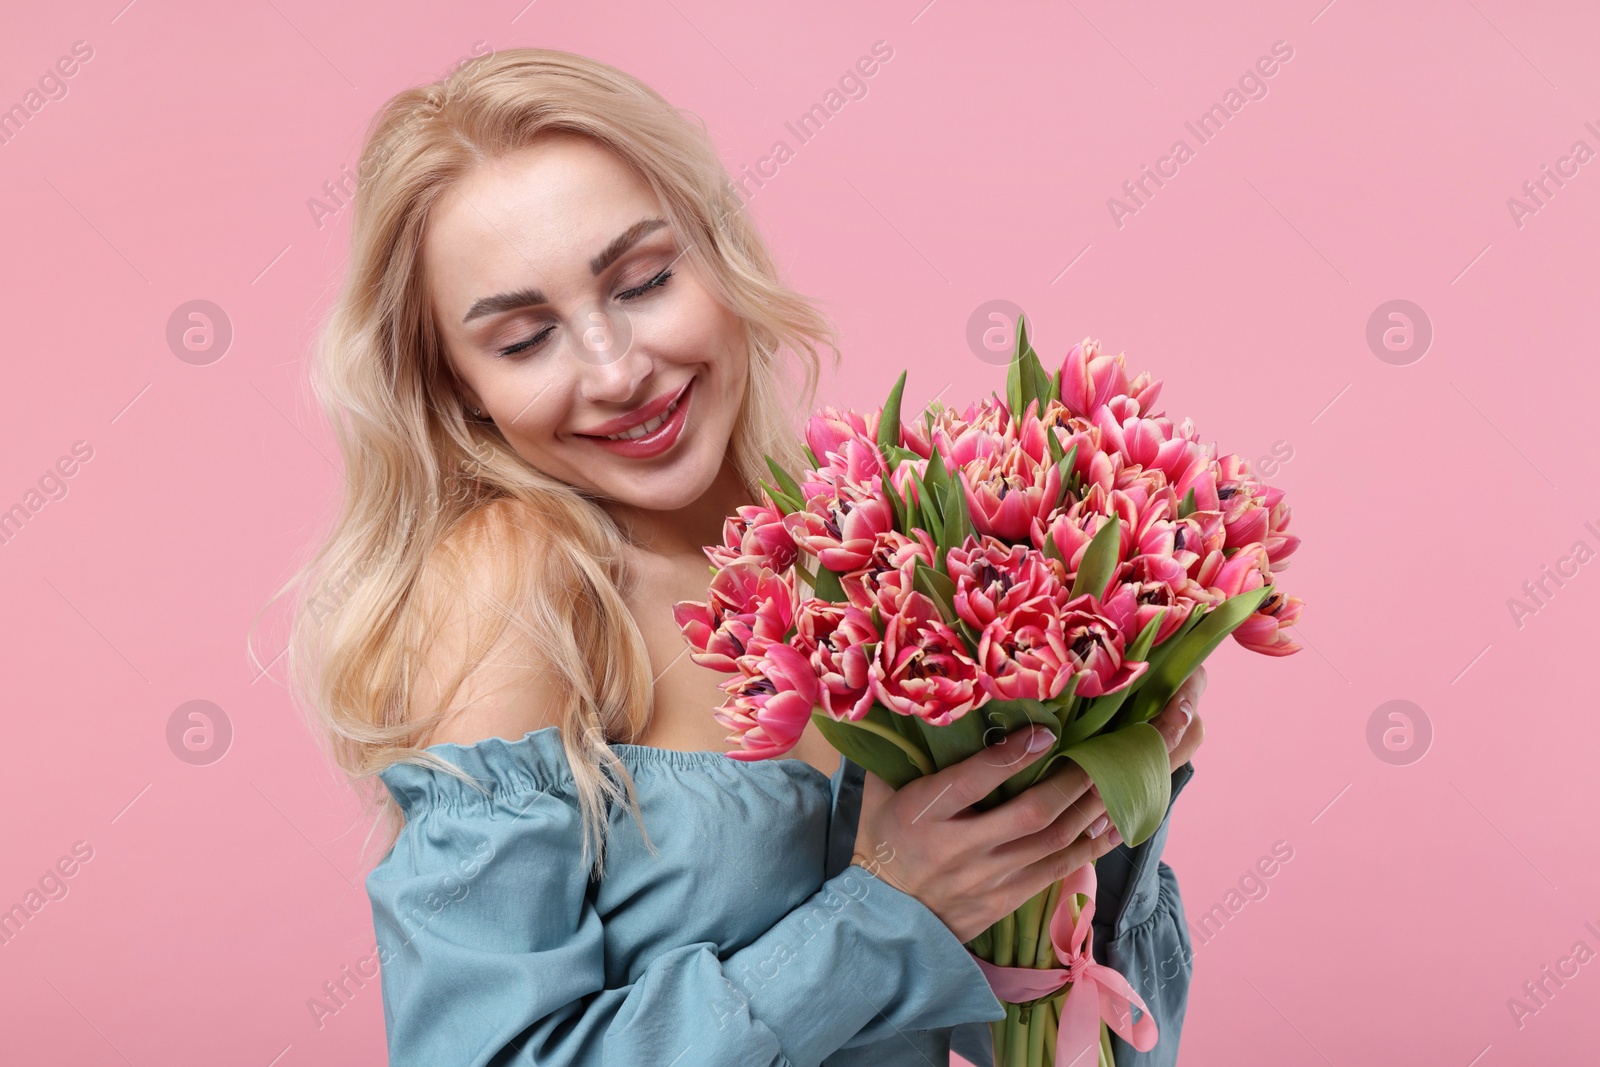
(430, 492)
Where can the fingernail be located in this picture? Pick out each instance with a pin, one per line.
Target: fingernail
(1188, 711)
(1041, 740)
(1098, 827)
(1115, 837)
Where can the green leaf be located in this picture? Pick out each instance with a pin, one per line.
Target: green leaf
(963, 627)
(1004, 716)
(1178, 656)
(811, 457)
(889, 421)
(1057, 454)
(1026, 380)
(1068, 464)
(1099, 559)
(1094, 714)
(877, 754)
(782, 501)
(827, 587)
(791, 488)
(954, 742)
(1063, 700)
(1140, 648)
(895, 455)
(899, 505)
(957, 520)
(1133, 774)
(1007, 715)
(1186, 506)
(936, 475)
(1175, 639)
(938, 586)
(1014, 398)
(1039, 385)
(932, 504)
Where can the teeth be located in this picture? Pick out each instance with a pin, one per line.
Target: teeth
(644, 427)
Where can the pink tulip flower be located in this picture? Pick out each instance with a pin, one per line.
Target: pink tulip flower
(921, 667)
(750, 606)
(769, 702)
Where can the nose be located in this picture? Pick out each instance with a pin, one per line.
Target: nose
(611, 367)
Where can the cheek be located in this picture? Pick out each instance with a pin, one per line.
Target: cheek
(535, 406)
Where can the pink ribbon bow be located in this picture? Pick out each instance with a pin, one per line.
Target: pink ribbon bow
(1099, 992)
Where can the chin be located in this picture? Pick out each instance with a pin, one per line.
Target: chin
(669, 490)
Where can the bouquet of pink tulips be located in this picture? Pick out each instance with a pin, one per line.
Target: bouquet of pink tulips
(1063, 555)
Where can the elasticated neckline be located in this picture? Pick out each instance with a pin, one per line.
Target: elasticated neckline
(538, 761)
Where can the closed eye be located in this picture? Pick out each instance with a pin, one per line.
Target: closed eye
(654, 283)
(627, 294)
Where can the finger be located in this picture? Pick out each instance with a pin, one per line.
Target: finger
(1191, 741)
(1174, 718)
(1038, 810)
(1058, 864)
(961, 785)
(1075, 823)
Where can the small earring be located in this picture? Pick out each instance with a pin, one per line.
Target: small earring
(477, 412)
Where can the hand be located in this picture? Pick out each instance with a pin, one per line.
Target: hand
(1183, 733)
(973, 868)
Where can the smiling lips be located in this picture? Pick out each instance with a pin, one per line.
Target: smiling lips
(650, 430)
(641, 414)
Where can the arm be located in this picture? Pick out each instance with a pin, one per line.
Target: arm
(491, 949)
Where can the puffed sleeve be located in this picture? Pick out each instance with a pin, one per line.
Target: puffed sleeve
(1140, 929)
(492, 953)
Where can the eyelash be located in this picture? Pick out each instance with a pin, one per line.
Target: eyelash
(627, 294)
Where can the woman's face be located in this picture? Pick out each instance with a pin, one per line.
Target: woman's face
(573, 321)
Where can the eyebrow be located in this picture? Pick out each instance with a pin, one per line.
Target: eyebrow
(520, 298)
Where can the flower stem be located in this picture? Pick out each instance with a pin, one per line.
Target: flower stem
(1028, 923)
(1107, 1059)
(1016, 1038)
(1045, 956)
(918, 758)
(1005, 941)
(1037, 1027)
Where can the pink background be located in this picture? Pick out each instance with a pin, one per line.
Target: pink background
(1420, 897)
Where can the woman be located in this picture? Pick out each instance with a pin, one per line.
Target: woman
(554, 368)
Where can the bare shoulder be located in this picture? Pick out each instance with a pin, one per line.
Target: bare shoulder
(477, 653)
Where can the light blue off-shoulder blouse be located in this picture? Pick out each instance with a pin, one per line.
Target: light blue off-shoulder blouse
(749, 939)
